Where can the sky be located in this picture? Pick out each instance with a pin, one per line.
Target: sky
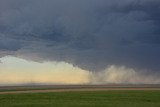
(79, 41)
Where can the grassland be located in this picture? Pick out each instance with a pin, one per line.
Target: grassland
(121, 98)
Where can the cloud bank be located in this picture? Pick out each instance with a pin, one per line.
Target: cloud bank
(89, 34)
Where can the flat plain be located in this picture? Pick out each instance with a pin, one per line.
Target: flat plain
(80, 96)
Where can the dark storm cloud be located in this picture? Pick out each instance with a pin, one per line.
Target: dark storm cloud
(89, 33)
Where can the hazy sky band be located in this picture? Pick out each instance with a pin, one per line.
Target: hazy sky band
(17, 71)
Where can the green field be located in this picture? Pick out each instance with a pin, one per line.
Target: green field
(83, 99)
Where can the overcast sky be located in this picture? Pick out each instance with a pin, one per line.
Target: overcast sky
(89, 34)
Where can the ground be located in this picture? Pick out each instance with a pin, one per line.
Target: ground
(85, 97)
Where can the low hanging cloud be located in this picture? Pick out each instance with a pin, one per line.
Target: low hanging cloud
(122, 75)
(89, 34)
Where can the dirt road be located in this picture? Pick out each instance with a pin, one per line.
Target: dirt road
(44, 89)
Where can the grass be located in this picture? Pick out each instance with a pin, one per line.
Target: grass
(83, 99)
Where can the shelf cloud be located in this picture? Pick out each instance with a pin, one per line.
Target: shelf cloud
(89, 34)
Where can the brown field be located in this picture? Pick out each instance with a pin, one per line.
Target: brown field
(65, 88)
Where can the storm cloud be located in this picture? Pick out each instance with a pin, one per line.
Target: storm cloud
(90, 34)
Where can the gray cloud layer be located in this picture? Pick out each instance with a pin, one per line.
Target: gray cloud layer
(89, 33)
